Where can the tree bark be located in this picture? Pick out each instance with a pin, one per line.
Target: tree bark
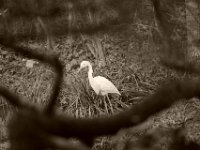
(193, 28)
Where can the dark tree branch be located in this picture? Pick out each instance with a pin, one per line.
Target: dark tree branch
(31, 129)
(163, 98)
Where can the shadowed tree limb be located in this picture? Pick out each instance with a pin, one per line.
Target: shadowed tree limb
(33, 129)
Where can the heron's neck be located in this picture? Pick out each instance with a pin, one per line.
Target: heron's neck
(90, 71)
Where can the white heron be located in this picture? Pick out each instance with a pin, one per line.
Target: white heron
(99, 84)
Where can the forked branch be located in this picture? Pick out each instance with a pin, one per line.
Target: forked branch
(31, 129)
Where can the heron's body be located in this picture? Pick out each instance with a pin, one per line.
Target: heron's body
(99, 84)
(103, 86)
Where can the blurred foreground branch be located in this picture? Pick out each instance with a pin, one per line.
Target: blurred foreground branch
(31, 129)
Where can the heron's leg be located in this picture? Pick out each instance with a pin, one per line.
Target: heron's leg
(104, 101)
(110, 103)
(105, 104)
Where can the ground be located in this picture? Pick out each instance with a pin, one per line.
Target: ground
(132, 64)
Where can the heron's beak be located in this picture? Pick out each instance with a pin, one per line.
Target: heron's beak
(79, 70)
